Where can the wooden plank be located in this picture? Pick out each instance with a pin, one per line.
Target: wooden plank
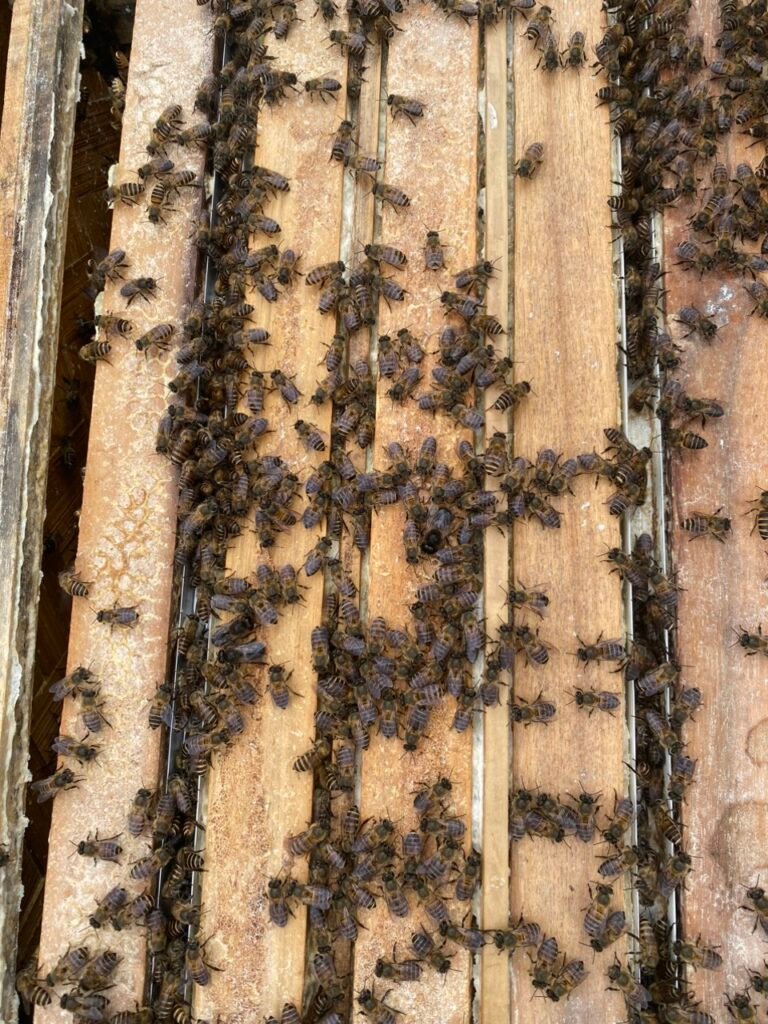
(38, 118)
(565, 345)
(723, 588)
(495, 974)
(128, 520)
(265, 965)
(426, 62)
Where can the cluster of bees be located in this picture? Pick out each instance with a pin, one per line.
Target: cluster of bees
(669, 123)
(371, 675)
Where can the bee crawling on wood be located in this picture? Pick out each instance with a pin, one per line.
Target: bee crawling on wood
(531, 160)
(100, 849)
(321, 87)
(537, 711)
(701, 524)
(71, 583)
(118, 616)
(140, 288)
(760, 512)
(600, 650)
(47, 789)
(573, 56)
(127, 193)
(753, 643)
(596, 700)
(406, 105)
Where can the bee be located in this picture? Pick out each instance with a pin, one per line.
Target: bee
(531, 160)
(99, 971)
(69, 966)
(684, 439)
(277, 684)
(573, 56)
(550, 59)
(511, 397)
(312, 438)
(126, 618)
(164, 128)
(32, 990)
(760, 512)
(327, 8)
(287, 268)
(127, 193)
(109, 268)
(533, 712)
(566, 980)
(140, 813)
(321, 87)
(341, 148)
(758, 905)
(596, 700)
(158, 202)
(95, 352)
(542, 970)
(598, 910)
(524, 598)
(434, 258)
(700, 524)
(199, 135)
(68, 746)
(386, 254)
(47, 789)
(198, 967)
(390, 194)
(325, 272)
(159, 336)
(311, 759)
(758, 292)
(697, 323)
(108, 906)
(674, 871)
(623, 814)
(696, 955)
(741, 1007)
(406, 105)
(635, 995)
(353, 43)
(398, 970)
(146, 867)
(600, 650)
(753, 643)
(71, 583)
(279, 892)
(114, 325)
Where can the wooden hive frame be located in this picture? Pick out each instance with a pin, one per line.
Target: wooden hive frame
(483, 86)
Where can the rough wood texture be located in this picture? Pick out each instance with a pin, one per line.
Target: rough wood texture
(495, 974)
(128, 521)
(425, 62)
(35, 154)
(723, 588)
(264, 964)
(564, 344)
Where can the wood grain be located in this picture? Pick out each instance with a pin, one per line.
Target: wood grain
(495, 974)
(128, 520)
(425, 62)
(38, 119)
(723, 588)
(264, 964)
(565, 345)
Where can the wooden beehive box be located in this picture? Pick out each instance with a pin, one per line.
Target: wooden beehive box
(570, 284)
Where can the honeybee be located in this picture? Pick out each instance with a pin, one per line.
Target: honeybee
(574, 54)
(760, 512)
(566, 980)
(47, 789)
(753, 643)
(530, 161)
(126, 617)
(596, 700)
(409, 107)
(701, 524)
(72, 584)
(532, 712)
(127, 193)
(601, 650)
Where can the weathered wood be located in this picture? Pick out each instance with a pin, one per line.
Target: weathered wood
(128, 520)
(565, 345)
(264, 964)
(434, 162)
(723, 588)
(495, 975)
(38, 118)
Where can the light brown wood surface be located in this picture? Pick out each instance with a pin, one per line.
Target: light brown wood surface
(495, 974)
(128, 520)
(38, 119)
(565, 345)
(723, 588)
(255, 798)
(424, 62)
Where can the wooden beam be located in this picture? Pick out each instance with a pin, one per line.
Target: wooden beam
(128, 521)
(565, 345)
(265, 964)
(723, 588)
(495, 974)
(38, 120)
(425, 62)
